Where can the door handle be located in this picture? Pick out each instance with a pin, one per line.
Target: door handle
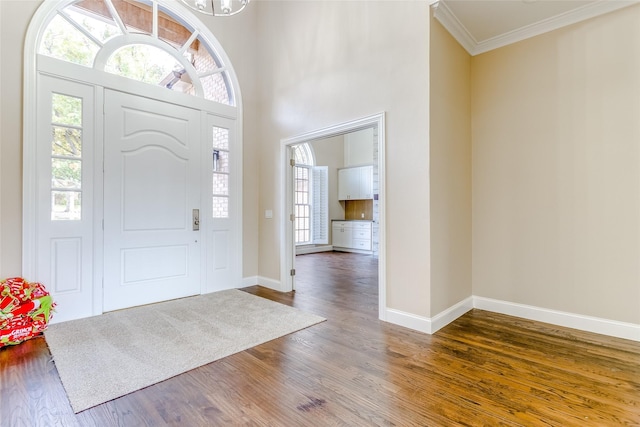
(196, 219)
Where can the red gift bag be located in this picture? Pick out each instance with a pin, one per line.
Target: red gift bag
(25, 310)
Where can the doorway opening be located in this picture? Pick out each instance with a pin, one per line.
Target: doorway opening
(346, 151)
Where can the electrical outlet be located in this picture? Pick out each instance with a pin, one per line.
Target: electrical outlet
(362, 215)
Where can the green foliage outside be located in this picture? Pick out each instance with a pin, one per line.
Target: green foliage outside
(63, 41)
(138, 62)
(66, 172)
(143, 63)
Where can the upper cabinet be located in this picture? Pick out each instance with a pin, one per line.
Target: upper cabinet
(355, 183)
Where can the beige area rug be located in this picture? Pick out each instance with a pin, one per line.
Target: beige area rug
(104, 357)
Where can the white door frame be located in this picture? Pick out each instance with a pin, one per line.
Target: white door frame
(287, 250)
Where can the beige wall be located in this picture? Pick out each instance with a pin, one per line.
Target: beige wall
(15, 17)
(331, 62)
(330, 152)
(556, 171)
(0, 141)
(237, 35)
(450, 145)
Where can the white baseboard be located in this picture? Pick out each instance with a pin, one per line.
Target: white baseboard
(249, 281)
(276, 285)
(408, 320)
(447, 316)
(354, 251)
(429, 325)
(303, 250)
(598, 325)
(262, 281)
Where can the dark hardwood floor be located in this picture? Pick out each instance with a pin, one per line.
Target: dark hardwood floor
(484, 369)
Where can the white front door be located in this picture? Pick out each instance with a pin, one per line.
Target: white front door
(151, 194)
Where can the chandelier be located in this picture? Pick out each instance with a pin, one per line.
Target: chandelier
(226, 8)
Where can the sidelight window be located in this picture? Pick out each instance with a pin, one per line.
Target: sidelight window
(220, 161)
(66, 157)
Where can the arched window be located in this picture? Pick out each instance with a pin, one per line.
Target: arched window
(303, 155)
(141, 41)
(310, 197)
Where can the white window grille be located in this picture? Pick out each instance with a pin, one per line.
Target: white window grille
(172, 55)
(66, 157)
(311, 199)
(221, 171)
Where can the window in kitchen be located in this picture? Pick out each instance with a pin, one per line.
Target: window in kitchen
(310, 198)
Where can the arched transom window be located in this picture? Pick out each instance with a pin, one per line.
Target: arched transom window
(303, 155)
(139, 40)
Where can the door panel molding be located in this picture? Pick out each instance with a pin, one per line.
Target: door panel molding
(151, 252)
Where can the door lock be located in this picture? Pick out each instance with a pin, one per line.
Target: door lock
(196, 219)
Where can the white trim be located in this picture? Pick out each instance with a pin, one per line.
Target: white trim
(447, 316)
(353, 251)
(98, 202)
(597, 325)
(249, 281)
(470, 44)
(276, 285)
(286, 230)
(115, 43)
(312, 249)
(261, 281)
(613, 328)
(339, 129)
(451, 23)
(429, 325)
(78, 73)
(382, 218)
(408, 320)
(286, 233)
(80, 28)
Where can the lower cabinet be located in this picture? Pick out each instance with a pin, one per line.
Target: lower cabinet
(342, 234)
(352, 236)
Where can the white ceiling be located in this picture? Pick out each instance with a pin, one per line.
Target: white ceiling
(483, 25)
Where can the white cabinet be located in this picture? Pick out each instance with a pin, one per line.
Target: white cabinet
(366, 182)
(352, 236)
(348, 183)
(355, 183)
(342, 234)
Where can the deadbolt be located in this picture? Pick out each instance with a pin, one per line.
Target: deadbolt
(196, 219)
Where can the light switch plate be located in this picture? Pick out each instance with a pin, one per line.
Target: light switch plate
(268, 214)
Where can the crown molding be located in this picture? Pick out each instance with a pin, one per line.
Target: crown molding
(461, 34)
(449, 21)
